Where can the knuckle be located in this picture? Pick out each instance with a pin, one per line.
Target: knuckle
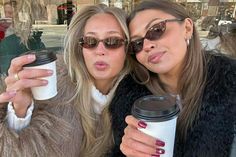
(9, 70)
(8, 89)
(132, 152)
(128, 119)
(123, 139)
(7, 80)
(128, 133)
(126, 130)
(128, 141)
(13, 62)
(125, 150)
(131, 143)
(122, 147)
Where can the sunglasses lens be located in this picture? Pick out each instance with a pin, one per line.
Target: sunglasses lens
(88, 42)
(156, 31)
(113, 42)
(136, 46)
(109, 43)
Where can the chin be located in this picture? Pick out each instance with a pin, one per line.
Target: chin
(159, 71)
(101, 76)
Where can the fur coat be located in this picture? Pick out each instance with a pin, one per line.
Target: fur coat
(54, 130)
(212, 133)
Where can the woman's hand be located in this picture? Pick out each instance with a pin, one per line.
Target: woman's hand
(4, 97)
(19, 81)
(136, 143)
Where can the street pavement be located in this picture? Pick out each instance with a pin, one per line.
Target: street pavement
(53, 35)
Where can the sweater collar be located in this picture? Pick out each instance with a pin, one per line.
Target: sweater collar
(100, 100)
(99, 97)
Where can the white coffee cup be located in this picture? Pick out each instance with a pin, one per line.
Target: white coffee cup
(160, 114)
(44, 60)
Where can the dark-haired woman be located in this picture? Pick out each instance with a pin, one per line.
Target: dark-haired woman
(169, 57)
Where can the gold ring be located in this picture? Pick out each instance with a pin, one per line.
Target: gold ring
(16, 76)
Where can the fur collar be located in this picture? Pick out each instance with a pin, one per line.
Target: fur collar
(212, 132)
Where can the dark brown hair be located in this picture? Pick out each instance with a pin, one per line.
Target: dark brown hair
(191, 81)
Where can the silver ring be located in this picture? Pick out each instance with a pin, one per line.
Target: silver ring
(16, 76)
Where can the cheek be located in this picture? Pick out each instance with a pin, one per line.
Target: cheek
(118, 60)
(140, 58)
(176, 40)
(177, 45)
(180, 47)
(175, 37)
(87, 58)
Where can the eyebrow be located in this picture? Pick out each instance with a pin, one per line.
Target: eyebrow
(109, 32)
(147, 26)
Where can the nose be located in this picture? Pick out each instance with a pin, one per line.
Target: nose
(148, 45)
(100, 49)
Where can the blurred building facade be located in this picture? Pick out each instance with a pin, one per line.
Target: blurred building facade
(60, 11)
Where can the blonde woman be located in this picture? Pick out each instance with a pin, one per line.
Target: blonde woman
(77, 121)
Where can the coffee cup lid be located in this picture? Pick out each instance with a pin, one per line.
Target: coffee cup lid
(155, 108)
(42, 57)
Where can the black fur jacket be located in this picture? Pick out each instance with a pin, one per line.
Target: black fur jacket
(212, 133)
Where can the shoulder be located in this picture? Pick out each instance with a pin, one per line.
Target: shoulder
(220, 62)
(215, 122)
(221, 71)
(221, 78)
(219, 98)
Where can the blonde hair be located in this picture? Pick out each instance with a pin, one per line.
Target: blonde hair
(94, 143)
(192, 78)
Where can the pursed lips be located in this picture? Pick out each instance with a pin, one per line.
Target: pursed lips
(100, 65)
(155, 58)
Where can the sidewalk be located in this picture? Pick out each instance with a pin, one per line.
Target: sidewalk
(53, 35)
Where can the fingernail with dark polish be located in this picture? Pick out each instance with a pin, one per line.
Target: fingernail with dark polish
(160, 151)
(154, 155)
(142, 124)
(160, 143)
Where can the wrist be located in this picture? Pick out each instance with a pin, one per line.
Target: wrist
(15, 122)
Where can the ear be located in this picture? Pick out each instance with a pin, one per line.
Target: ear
(188, 28)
